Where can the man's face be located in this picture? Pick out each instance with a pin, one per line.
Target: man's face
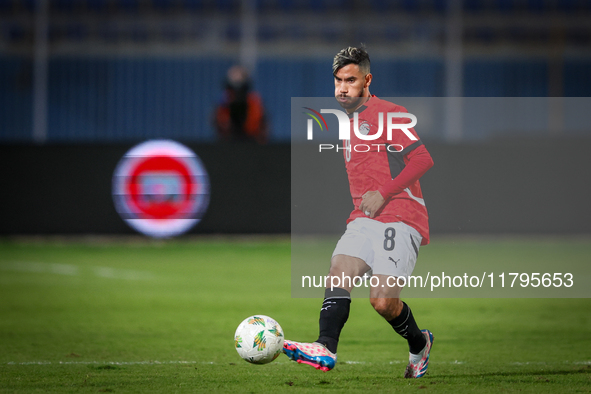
(350, 84)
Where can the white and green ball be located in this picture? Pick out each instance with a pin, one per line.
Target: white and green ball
(259, 339)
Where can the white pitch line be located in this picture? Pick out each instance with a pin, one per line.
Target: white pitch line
(53, 268)
(154, 362)
(74, 270)
(349, 362)
(455, 362)
(115, 273)
(548, 363)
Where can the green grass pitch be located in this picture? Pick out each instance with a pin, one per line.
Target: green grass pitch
(138, 316)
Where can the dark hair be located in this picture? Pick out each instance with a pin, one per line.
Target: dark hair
(351, 55)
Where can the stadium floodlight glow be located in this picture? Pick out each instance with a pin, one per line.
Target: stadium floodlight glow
(161, 188)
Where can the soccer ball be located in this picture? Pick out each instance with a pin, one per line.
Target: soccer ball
(259, 339)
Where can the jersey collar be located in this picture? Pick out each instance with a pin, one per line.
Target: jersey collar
(360, 109)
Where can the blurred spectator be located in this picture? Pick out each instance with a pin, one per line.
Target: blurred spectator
(240, 115)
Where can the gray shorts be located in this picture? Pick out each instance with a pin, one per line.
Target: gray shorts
(388, 248)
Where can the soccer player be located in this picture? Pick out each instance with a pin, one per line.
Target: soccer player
(386, 227)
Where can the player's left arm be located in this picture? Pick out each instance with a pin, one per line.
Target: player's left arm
(419, 161)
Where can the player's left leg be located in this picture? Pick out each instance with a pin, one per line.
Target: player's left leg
(396, 247)
(385, 299)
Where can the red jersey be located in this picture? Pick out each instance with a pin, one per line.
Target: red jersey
(373, 165)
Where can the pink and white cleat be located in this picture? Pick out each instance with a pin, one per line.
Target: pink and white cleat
(314, 354)
(418, 363)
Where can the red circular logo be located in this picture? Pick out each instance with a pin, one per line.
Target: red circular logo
(161, 188)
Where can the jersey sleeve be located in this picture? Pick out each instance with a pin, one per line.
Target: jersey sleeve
(418, 162)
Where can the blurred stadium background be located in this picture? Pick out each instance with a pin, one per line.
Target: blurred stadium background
(81, 81)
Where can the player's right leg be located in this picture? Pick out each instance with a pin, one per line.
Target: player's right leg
(322, 354)
(314, 354)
